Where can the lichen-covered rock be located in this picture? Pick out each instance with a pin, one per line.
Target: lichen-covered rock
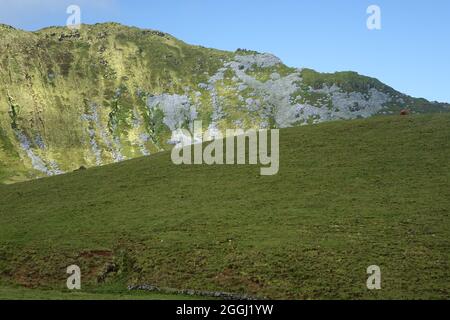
(177, 109)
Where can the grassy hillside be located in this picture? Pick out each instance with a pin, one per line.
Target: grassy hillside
(108, 92)
(79, 97)
(349, 194)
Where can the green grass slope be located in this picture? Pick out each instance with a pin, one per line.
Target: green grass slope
(349, 194)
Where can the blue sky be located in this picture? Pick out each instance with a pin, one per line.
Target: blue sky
(410, 53)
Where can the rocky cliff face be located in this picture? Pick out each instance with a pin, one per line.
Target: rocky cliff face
(107, 93)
